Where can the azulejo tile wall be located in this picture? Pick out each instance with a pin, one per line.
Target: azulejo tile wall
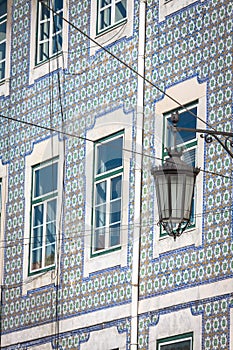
(196, 41)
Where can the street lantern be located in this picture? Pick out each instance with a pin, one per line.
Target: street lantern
(174, 183)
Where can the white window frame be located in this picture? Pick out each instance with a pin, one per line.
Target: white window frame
(185, 92)
(58, 60)
(43, 200)
(106, 177)
(5, 81)
(50, 21)
(104, 126)
(112, 7)
(42, 151)
(110, 34)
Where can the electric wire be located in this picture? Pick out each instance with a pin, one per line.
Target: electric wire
(129, 67)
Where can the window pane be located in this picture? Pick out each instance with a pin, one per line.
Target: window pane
(57, 24)
(114, 235)
(99, 239)
(105, 18)
(45, 180)
(58, 5)
(186, 120)
(116, 187)
(36, 259)
(44, 51)
(37, 237)
(100, 216)
(45, 13)
(2, 51)
(109, 155)
(44, 31)
(104, 3)
(120, 11)
(38, 215)
(100, 193)
(3, 31)
(3, 7)
(50, 255)
(115, 210)
(2, 70)
(57, 43)
(182, 345)
(51, 210)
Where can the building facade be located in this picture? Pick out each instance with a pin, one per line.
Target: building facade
(86, 94)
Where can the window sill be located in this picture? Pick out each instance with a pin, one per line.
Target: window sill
(39, 280)
(46, 67)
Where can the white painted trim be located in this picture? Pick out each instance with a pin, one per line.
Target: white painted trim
(59, 61)
(114, 33)
(44, 150)
(105, 126)
(175, 323)
(5, 84)
(105, 339)
(168, 7)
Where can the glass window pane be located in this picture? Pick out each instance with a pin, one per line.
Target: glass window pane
(109, 155)
(3, 31)
(57, 43)
(2, 51)
(181, 345)
(38, 215)
(45, 180)
(58, 5)
(44, 31)
(50, 255)
(105, 18)
(37, 238)
(99, 242)
(51, 210)
(115, 235)
(100, 216)
(3, 7)
(36, 259)
(186, 120)
(100, 193)
(120, 12)
(2, 70)
(104, 3)
(116, 187)
(115, 211)
(45, 13)
(57, 24)
(44, 51)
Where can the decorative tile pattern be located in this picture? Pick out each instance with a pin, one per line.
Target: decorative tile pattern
(196, 41)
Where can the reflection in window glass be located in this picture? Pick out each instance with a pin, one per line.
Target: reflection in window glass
(111, 12)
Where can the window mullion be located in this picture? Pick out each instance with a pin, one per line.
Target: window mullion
(44, 234)
(108, 200)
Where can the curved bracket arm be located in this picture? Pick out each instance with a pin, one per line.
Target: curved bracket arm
(209, 138)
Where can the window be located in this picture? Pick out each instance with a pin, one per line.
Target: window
(43, 215)
(179, 342)
(49, 29)
(3, 27)
(110, 13)
(107, 193)
(185, 140)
